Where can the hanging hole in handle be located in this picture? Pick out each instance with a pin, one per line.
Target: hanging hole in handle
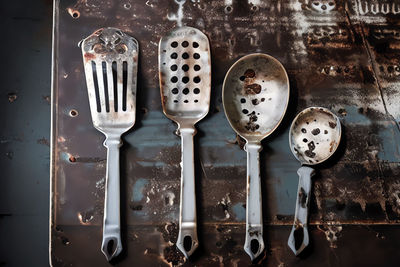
(254, 246)
(187, 243)
(111, 247)
(298, 237)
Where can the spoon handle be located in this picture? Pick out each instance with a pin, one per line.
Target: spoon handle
(254, 243)
(187, 237)
(298, 239)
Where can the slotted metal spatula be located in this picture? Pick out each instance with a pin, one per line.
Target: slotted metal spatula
(185, 85)
(110, 62)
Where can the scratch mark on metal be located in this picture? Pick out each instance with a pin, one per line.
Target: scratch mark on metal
(374, 72)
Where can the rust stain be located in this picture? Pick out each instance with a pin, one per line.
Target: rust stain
(251, 125)
(311, 147)
(298, 224)
(302, 197)
(332, 124)
(252, 89)
(250, 73)
(253, 233)
(43, 141)
(89, 56)
(172, 255)
(238, 141)
(47, 98)
(12, 97)
(332, 145)
(162, 81)
(72, 158)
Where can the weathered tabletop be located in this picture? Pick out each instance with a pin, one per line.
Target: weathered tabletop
(342, 55)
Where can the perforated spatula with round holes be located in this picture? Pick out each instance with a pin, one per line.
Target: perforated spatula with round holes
(110, 62)
(185, 86)
(314, 136)
(255, 96)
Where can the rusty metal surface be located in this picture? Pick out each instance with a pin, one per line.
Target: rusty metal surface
(338, 54)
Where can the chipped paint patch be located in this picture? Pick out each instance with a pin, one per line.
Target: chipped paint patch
(43, 141)
(169, 198)
(390, 145)
(224, 203)
(240, 211)
(332, 233)
(394, 196)
(137, 190)
(157, 164)
(354, 116)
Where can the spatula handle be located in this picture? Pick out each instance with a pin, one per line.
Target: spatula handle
(187, 238)
(254, 243)
(111, 245)
(298, 239)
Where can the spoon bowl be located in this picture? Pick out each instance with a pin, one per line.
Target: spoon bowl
(255, 96)
(314, 135)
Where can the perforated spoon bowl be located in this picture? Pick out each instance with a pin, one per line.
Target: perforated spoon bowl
(185, 86)
(110, 62)
(314, 137)
(255, 97)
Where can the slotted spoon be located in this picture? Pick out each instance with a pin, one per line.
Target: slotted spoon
(255, 97)
(314, 136)
(110, 62)
(185, 85)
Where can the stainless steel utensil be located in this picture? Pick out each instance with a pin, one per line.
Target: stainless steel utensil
(185, 85)
(110, 61)
(314, 136)
(255, 97)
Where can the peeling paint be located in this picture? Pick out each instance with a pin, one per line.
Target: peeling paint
(137, 190)
(240, 211)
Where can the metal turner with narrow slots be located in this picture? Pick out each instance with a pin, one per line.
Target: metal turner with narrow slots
(110, 61)
(185, 85)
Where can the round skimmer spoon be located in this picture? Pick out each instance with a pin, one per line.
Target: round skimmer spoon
(314, 136)
(255, 97)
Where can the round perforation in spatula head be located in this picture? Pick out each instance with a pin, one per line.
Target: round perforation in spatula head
(255, 95)
(185, 73)
(314, 135)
